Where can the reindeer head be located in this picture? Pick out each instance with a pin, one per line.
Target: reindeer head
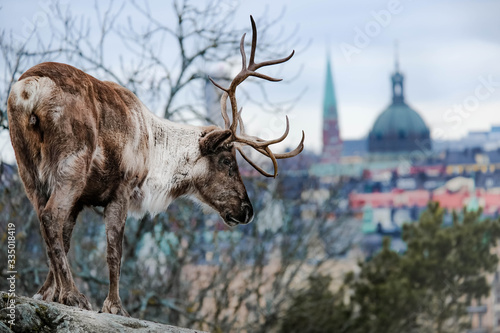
(223, 188)
(220, 185)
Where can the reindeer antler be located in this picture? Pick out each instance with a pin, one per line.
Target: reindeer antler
(262, 146)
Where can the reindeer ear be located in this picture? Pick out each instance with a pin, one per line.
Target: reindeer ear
(212, 140)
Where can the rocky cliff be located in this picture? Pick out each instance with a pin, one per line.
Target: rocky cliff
(29, 315)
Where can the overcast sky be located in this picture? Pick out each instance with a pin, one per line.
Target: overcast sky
(449, 53)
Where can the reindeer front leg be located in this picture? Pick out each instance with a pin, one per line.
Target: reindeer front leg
(115, 215)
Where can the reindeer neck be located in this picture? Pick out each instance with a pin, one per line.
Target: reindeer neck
(173, 151)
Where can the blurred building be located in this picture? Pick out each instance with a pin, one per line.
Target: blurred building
(399, 128)
(213, 95)
(332, 144)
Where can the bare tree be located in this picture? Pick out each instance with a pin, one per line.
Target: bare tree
(164, 60)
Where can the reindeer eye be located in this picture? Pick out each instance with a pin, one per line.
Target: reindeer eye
(226, 161)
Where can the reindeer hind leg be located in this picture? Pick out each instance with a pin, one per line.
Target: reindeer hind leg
(54, 219)
(115, 215)
(50, 289)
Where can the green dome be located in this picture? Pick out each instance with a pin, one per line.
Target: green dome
(399, 120)
(399, 128)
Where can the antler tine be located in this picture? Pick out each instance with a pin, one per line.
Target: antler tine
(271, 62)
(254, 42)
(265, 77)
(252, 66)
(223, 110)
(274, 157)
(243, 55)
(275, 163)
(257, 142)
(294, 152)
(234, 110)
(240, 122)
(259, 169)
(217, 85)
(266, 151)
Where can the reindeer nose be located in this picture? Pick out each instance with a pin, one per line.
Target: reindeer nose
(248, 210)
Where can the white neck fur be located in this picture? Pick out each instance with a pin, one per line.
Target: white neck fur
(173, 152)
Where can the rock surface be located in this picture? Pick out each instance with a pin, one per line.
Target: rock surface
(39, 316)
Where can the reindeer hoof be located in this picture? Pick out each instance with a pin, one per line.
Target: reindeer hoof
(114, 307)
(75, 298)
(50, 294)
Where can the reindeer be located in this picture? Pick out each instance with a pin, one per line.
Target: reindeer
(82, 142)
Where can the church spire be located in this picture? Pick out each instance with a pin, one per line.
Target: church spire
(329, 99)
(397, 79)
(396, 55)
(332, 145)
